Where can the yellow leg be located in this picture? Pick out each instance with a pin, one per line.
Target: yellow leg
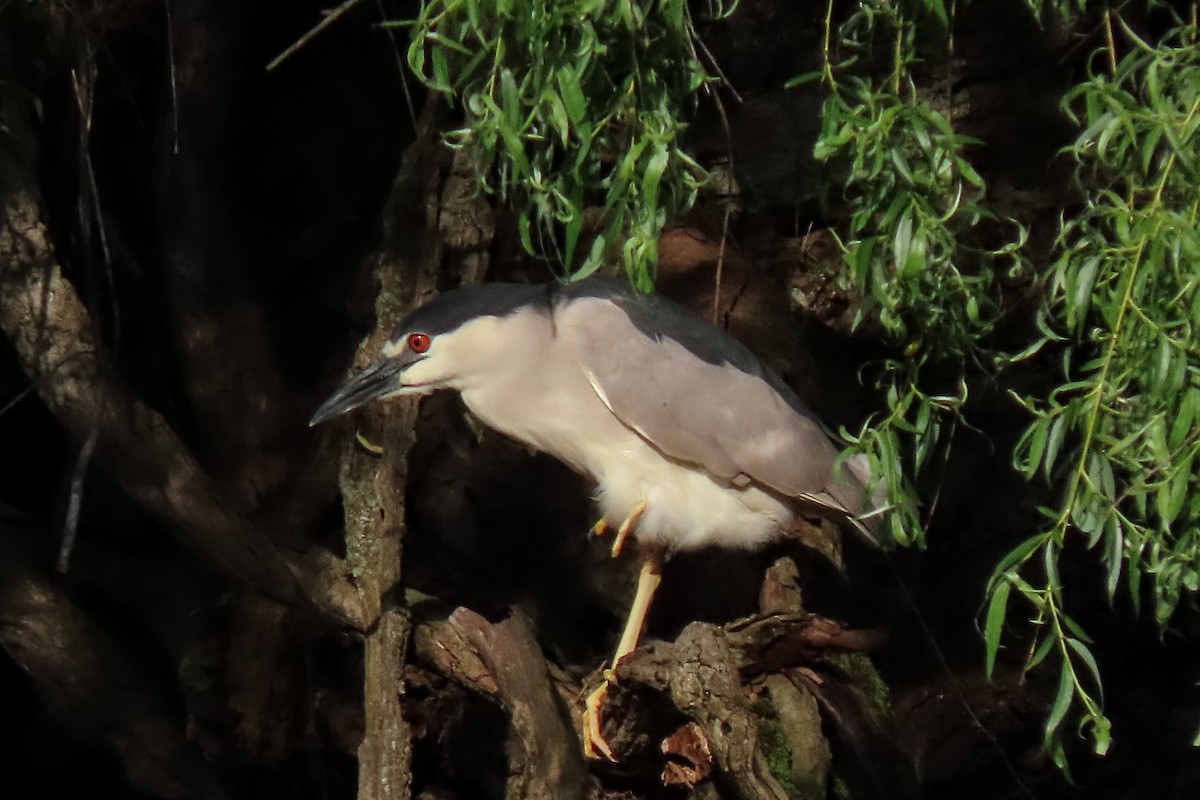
(649, 578)
(627, 526)
(600, 528)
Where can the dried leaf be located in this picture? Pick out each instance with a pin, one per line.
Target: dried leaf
(689, 757)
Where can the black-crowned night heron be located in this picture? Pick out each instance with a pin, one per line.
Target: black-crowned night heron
(690, 439)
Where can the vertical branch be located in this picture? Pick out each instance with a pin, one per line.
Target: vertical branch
(373, 497)
(373, 479)
(373, 491)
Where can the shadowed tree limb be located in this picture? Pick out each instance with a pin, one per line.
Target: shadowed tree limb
(545, 758)
(704, 672)
(54, 338)
(373, 485)
(91, 680)
(699, 671)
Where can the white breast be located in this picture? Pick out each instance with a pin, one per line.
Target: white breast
(547, 402)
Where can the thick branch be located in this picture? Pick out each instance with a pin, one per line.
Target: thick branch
(545, 761)
(704, 672)
(373, 487)
(700, 672)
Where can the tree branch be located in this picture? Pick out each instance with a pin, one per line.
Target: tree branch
(54, 338)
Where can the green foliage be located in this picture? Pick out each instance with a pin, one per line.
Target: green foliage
(915, 203)
(571, 103)
(1121, 433)
(580, 103)
(1063, 9)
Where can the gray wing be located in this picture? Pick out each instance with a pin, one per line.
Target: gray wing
(695, 407)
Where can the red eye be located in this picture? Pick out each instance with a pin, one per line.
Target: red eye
(418, 342)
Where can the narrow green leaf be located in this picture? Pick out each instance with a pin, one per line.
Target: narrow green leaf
(1033, 444)
(1073, 626)
(1044, 648)
(1177, 493)
(1101, 735)
(572, 94)
(1018, 555)
(510, 99)
(558, 115)
(902, 241)
(1112, 559)
(523, 232)
(1062, 702)
(997, 609)
(803, 78)
(1085, 655)
(672, 13)
(1082, 296)
(1089, 133)
(449, 43)
(656, 165)
(1054, 442)
(970, 175)
(441, 71)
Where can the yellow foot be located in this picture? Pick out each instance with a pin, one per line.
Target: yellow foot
(600, 528)
(627, 526)
(594, 744)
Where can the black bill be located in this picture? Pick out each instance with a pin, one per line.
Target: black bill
(378, 380)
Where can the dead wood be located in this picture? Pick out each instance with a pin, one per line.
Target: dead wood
(444, 647)
(707, 671)
(545, 758)
(699, 671)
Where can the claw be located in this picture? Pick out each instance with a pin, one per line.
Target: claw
(594, 744)
(649, 577)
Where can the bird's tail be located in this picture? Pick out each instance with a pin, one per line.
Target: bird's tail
(860, 510)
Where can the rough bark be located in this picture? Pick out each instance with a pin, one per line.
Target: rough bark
(700, 673)
(545, 760)
(373, 485)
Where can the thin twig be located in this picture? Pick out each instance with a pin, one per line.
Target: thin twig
(716, 309)
(174, 80)
(694, 40)
(408, 100)
(1087, 37)
(1110, 45)
(955, 685)
(84, 104)
(75, 501)
(330, 18)
(712, 62)
(11, 403)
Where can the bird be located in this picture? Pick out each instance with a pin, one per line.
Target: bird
(690, 440)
